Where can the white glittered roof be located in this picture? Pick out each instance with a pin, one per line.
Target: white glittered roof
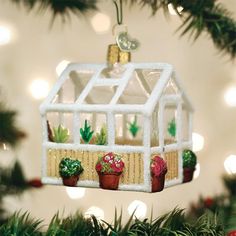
(137, 89)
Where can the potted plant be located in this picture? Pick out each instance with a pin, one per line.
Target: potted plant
(158, 172)
(86, 132)
(101, 137)
(58, 135)
(109, 168)
(50, 134)
(133, 127)
(172, 128)
(189, 163)
(70, 170)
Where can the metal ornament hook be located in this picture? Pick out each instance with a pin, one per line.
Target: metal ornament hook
(119, 11)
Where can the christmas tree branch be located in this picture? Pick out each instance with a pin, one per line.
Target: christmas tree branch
(60, 7)
(9, 133)
(198, 16)
(202, 16)
(12, 181)
(173, 223)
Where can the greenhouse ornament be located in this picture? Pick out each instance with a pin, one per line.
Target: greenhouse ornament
(127, 123)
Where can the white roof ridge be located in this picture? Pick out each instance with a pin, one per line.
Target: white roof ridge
(167, 71)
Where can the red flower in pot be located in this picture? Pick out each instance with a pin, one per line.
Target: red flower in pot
(158, 172)
(109, 168)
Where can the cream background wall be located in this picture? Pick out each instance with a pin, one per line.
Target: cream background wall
(35, 52)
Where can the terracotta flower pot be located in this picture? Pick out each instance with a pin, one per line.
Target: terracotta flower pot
(158, 183)
(71, 181)
(109, 180)
(188, 174)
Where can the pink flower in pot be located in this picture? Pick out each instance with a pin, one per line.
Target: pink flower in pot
(109, 168)
(158, 172)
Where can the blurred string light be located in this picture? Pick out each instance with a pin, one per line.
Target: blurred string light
(172, 10)
(3, 146)
(198, 142)
(101, 23)
(75, 193)
(197, 171)
(5, 35)
(139, 207)
(230, 164)
(96, 211)
(8, 153)
(230, 96)
(39, 88)
(62, 66)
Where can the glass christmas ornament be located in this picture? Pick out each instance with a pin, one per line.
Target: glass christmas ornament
(138, 110)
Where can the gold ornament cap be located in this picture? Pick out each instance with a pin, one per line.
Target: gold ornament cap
(115, 55)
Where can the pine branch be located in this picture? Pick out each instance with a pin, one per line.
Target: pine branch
(12, 181)
(21, 224)
(201, 16)
(214, 19)
(231, 218)
(60, 7)
(198, 16)
(230, 184)
(173, 223)
(9, 133)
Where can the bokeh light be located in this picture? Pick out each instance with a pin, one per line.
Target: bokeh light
(39, 88)
(230, 164)
(197, 171)
(5, 35)
(96, 211)
(198, 142)
(75, 193)
(230, 97)
(101, 23)
(172, 11)
(139, 207)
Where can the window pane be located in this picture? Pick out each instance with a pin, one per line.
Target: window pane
(129, 129)
(72, 87)
(170, 124)
(100, 95)
(140, 86)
